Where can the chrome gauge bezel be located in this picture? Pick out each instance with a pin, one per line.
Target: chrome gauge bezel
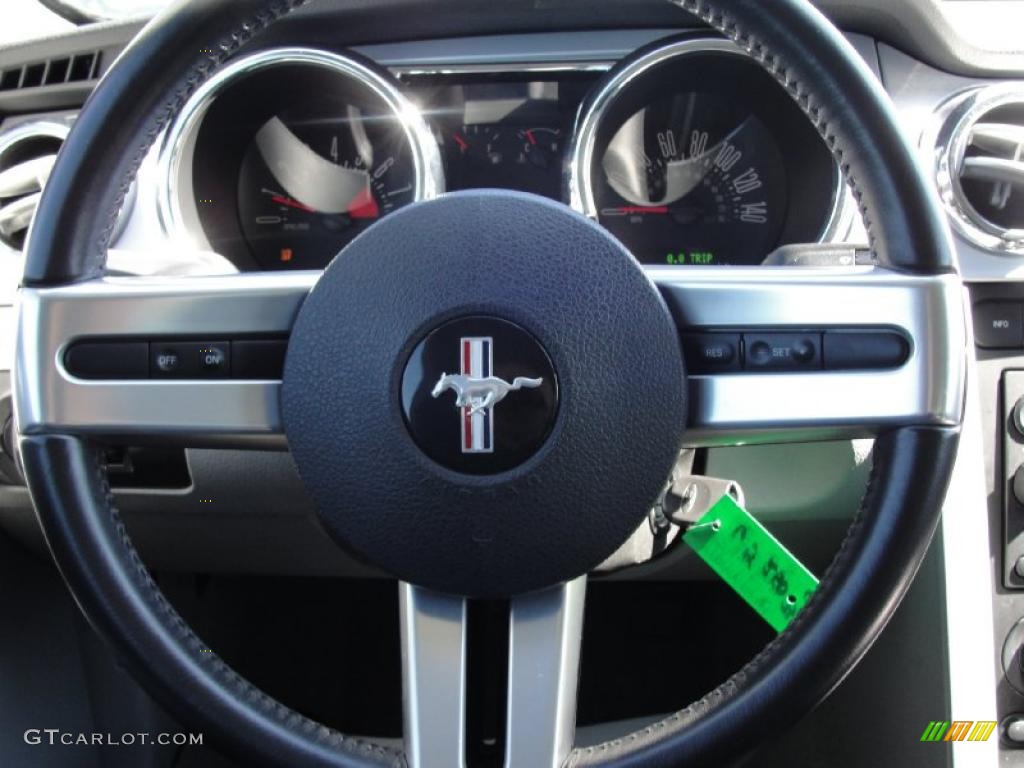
(176, 207)
(945, 139)
(579, 179)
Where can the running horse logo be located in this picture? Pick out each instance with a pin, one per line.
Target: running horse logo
(477, 392)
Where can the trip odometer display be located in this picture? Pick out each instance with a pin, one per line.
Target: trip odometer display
(692, 155)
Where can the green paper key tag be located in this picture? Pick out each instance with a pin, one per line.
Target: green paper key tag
(752, 561)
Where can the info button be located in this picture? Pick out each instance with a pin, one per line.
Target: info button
(712, 352)
(998, 325)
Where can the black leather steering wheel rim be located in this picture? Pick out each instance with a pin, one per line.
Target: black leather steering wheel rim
(858, 594)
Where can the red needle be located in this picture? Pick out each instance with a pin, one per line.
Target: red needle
(292, 203)
(363, 206)
(530, 138)
(463, 144)
(630, 210)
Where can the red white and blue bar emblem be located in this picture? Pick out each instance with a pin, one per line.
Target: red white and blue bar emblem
(477, 428)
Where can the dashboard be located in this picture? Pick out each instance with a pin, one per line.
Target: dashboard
(686, 150)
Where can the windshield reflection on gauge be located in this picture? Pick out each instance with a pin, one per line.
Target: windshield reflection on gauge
(693, 179)
(312, 179)
(503, 130)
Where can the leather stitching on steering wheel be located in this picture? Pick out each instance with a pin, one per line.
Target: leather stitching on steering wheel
(183, 632)
(732, 686)
(722, 22)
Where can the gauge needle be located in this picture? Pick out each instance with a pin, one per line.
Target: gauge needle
(291, 203)
(306, 177)
(635, 210)
(364, 206)
(626, 170)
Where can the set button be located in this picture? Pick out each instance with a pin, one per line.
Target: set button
(783, 351)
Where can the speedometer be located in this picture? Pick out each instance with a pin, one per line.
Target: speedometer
(692, 155)
(693, 179)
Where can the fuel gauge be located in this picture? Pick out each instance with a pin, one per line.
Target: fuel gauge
(528, 159)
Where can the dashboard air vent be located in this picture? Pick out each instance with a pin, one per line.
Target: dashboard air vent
(27, 154)
(67, 69)
(980, 155)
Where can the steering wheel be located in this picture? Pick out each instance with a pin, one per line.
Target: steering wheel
(614, 405)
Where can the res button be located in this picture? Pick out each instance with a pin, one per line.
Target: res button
(712, 352)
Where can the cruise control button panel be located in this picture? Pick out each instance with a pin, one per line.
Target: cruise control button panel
(109, 359)
(766, 351)
(189, 360)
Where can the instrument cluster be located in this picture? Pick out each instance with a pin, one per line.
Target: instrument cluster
(687, 151)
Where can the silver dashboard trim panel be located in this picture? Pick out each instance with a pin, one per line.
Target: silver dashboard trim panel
(175, 200)
(532, 68)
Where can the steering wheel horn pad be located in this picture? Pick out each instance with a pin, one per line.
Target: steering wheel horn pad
(603, 458)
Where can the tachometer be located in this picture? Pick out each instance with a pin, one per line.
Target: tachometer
(313, 179)
(285, 155)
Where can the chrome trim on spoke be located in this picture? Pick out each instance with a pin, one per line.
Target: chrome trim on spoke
(579, 169)
(543, 670)
(434, 677)
(784, 407)
(49, 399)
(176, 207)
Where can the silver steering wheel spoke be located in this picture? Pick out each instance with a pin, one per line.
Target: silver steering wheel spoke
(820, 403)
(193, 411)
(725, 408)
(545, 630)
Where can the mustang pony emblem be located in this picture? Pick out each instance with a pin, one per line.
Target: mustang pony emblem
(477, 391)
(481, 394)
